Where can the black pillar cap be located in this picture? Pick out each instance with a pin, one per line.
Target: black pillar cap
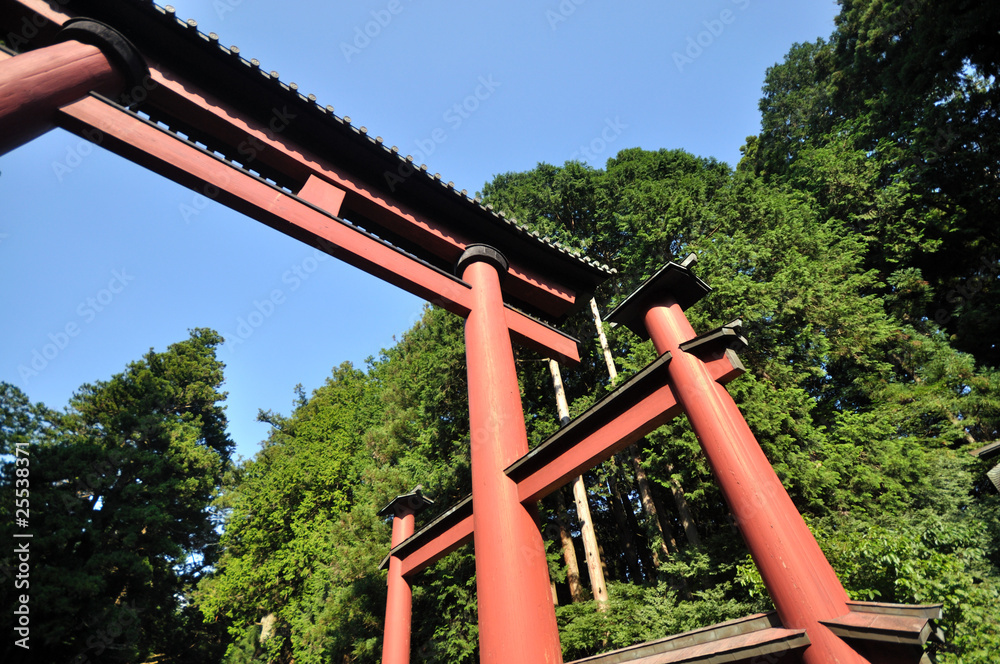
(413, 502)
(672, 279)
(485, 253)
(729, 336)
(118, 49)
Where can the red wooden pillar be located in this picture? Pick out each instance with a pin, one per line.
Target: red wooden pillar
(517, 622)
(35, 84)
(399, 601)
(802, 585)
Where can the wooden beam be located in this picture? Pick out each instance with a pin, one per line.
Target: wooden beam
(148, 145)
(630, 412)
(635, 409)
(213, 94)
(263, 145)
(754, 639)
(446, 533)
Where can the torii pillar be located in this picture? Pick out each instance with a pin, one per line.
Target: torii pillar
(517, 621)
(399, 602)
(91, 57)
(802, 584)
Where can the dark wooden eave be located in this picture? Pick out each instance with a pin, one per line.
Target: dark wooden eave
(987, 451)
(259, 94)
(756, 638)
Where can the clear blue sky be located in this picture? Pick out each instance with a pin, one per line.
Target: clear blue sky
(96, 245)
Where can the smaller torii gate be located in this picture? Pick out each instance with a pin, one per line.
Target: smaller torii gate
(814, 620)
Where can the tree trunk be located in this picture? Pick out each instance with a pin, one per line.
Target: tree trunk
(649, 503)
(612, 370)
(597, 584)
(625, 530)
(633, 451)
(569, 550)
(643, 547)
(595, 568)
(683, 510)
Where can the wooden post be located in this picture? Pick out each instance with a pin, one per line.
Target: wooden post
(35, 84)
(598, 586)
(569, 551)
(802, 585)
(399, 600)
(634, 451)
(517, 622)
(605, 348)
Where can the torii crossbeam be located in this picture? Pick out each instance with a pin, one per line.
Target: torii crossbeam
(814, 614)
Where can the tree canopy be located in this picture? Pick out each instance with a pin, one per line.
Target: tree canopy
(121, 485)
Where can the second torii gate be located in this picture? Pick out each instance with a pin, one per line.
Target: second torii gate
(815, 620)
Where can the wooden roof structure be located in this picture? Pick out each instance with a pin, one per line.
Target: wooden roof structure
(203, 105)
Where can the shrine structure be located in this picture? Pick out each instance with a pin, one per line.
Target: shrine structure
(150, 87)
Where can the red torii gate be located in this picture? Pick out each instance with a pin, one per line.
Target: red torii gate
(815, 621)
(155, 90)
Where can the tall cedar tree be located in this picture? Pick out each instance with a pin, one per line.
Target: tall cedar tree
(120, 489)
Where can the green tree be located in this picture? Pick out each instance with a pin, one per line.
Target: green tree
(284, 510)
(856, 240)
(298, 577)
(121, 484)
(892, 126)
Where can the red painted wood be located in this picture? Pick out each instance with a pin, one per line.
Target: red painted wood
(161, 152)
(399, 600)
(593, 447)
(45, 9)
(802, 585)
(35, 84)
(437, 548)
(268, 146)
(579, 455)
(517, 622)
(602, 443)
(322, 194)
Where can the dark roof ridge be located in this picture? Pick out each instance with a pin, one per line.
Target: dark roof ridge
(191, 26)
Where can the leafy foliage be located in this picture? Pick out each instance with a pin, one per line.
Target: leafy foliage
(121, 485)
